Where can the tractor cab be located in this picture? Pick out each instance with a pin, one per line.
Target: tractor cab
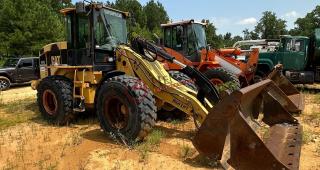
(187, 38)
(93, 32)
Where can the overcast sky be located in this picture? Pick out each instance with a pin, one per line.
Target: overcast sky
(235, 15)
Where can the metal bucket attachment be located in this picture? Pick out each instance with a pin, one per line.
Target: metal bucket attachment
(287, 87)
(238, 117)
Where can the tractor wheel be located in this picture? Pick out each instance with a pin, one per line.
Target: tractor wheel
(183, 79)
(55, 100)
(126, 109)
(4, 83)
(222, 79)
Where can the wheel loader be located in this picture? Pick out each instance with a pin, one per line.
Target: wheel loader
(96, 68)
(186, 41)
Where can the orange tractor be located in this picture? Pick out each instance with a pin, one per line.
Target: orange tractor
(186, 41)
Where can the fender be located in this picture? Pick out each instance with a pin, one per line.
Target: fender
(4, 74)
(266, 62)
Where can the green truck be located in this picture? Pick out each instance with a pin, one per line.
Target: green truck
(299, 55)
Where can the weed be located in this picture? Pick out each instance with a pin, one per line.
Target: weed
(143, 150)
(176, 122)
(82, 164)
(314, 117)
(152, 140)
(185, 152)
(76, 139)
(155, 137)
(307, 137)
(52, 166)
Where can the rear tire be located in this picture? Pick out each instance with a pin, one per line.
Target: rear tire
(223, 79)
(4, 83)
(55, 100)
(126, 109)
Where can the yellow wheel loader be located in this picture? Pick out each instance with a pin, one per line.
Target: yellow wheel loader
(125, 85)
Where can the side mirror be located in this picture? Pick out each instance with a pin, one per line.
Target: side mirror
(80, 7)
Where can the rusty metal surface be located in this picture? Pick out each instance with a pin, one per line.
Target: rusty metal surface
(287, 87)
(233, 116)
(285, 143)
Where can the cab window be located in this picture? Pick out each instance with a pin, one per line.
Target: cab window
(177, 39)
(298, 45)
(83, 31)
(167, 37)
(25, 63)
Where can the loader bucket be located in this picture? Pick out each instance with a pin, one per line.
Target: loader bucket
(236, 116)
(287, 88)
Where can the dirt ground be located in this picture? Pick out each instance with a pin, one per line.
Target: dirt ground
(28, 142)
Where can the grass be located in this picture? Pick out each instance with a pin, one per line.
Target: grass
(307, 136)
(314, 118)
(152, 140)
(185, 152)
(17, 112)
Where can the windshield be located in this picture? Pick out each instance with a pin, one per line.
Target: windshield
(11, 63)
(116, 25)
(200, 34)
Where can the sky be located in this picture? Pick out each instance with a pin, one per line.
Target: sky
(235, 15)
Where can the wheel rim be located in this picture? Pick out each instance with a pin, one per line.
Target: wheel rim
(216, 81)
(3, 84)
(116, 112)
(50, 102)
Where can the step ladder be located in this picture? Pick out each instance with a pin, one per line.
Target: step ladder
(78, 88)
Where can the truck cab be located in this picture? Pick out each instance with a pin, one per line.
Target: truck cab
(293, 53)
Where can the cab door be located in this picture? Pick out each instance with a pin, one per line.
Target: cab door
(293, 55)
(25, 70)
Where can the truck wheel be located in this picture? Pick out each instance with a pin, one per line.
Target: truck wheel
(259, 76)
(4, 83)
(126, 109)
(183, 79)
(55, 100)
(222, 79)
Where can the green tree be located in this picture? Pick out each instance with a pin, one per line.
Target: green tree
(305, 26)
(135, 9)
(27, 25)
(250, 35)
(213, 39)
(270, 27)
(155, 14)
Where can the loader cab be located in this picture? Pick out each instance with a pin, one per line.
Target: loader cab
(187, 38)
(93, 34)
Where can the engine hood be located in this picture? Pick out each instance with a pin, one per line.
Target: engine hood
(5, 69)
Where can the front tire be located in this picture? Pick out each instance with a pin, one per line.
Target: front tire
(4, 83)
(126, 109)
(55, 100)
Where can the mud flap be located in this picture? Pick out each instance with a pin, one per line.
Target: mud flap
(287, 88)
(237, 116)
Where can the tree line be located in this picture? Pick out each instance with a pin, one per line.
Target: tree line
(27, 25)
